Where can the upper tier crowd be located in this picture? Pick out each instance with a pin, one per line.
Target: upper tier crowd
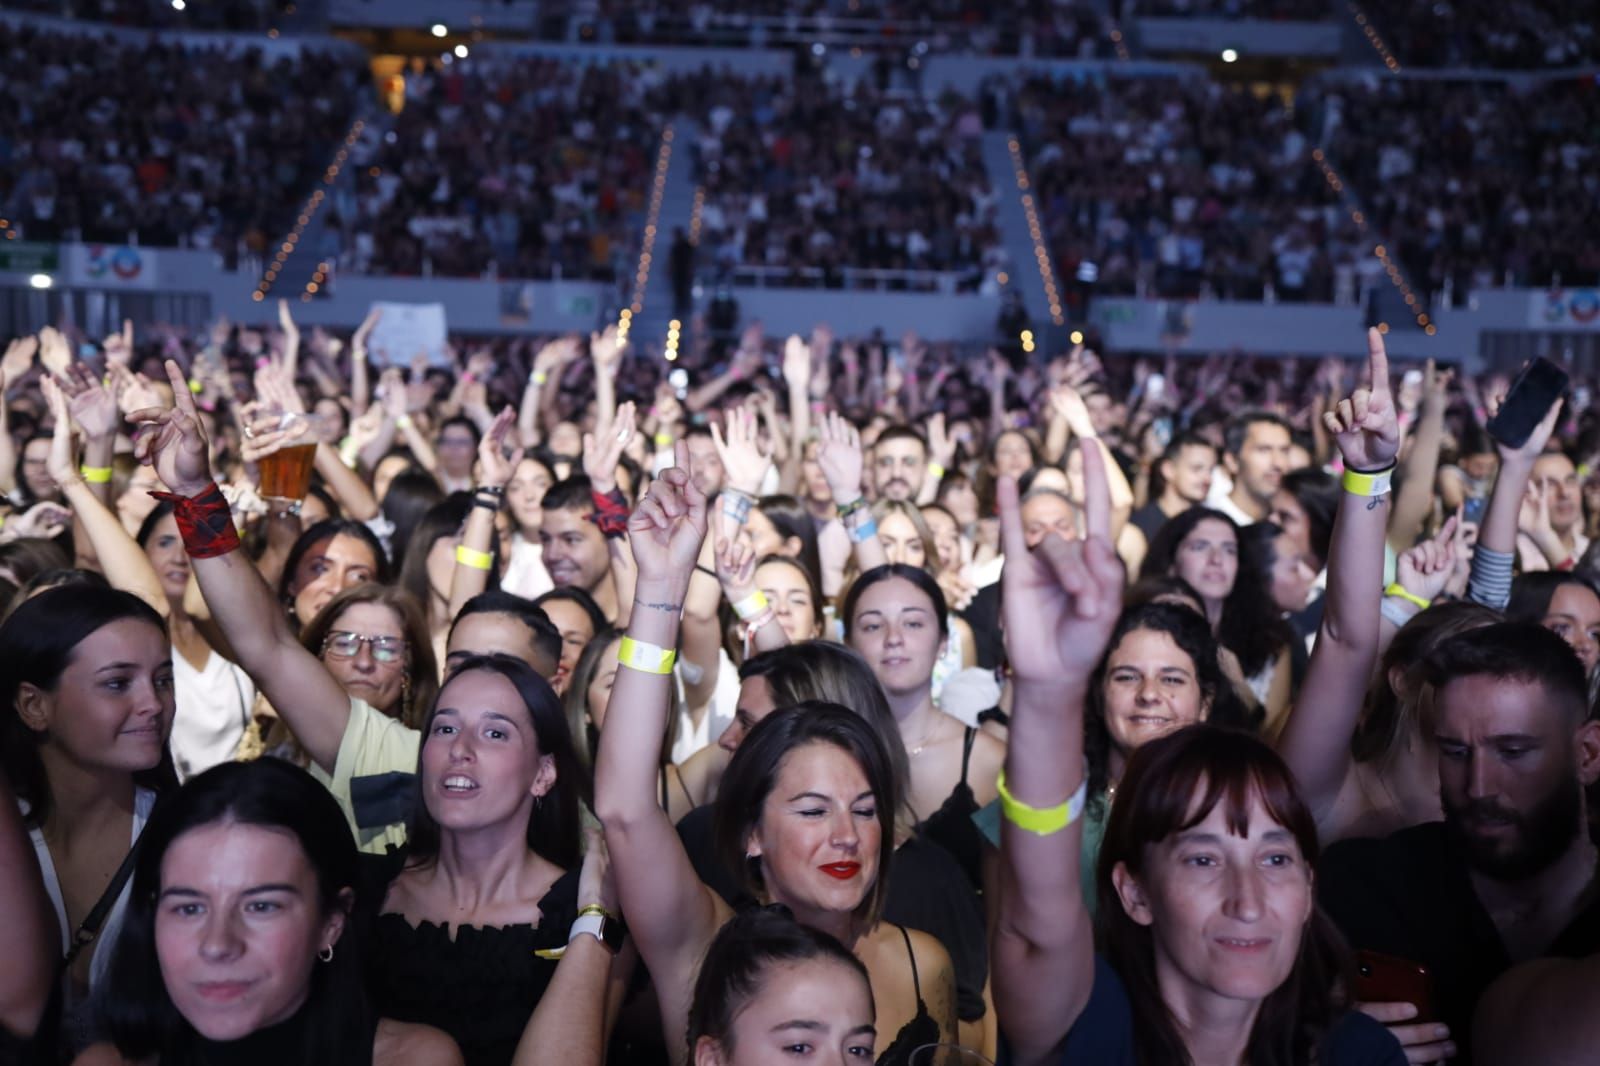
(853, 701)
(540, 168)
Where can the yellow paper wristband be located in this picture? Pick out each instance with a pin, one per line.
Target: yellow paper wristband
(96, 475)
(1373, 484)
(936, 470)
(645, 658)
(404, 421)
(1042, 821)
(473, 558)
(751, 606)
(1398, 591)
(663, 440)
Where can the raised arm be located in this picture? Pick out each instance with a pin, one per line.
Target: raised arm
(1415, 499)
(839, 456)
(606, 349)
(291, 339)
(471, 573)
(360, 372)
(308, 698)
(671, 913)
(123, 562)
(797, 361)
(1316, 740)
(1495, 554)
(1060, 602)
(736, 574)
(941, 453)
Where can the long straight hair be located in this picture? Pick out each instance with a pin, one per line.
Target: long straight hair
(554, 832)
(133, 1006)
(1172, 784)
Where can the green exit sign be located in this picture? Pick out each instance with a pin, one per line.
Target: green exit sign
(29, 257)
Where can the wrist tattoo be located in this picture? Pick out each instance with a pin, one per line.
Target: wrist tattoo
(674, 608)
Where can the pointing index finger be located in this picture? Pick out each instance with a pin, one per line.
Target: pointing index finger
(1377, 360)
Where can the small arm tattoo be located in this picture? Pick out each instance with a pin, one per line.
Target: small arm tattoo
(674, 608)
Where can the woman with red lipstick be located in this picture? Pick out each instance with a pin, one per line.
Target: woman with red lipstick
(87, 703)
(806, 808)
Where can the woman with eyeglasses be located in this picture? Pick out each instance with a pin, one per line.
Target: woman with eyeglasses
(366, 757)
(374, 642)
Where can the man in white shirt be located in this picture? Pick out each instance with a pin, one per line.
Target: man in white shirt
(1255, 456)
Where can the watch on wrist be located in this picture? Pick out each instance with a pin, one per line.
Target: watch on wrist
(599, 923)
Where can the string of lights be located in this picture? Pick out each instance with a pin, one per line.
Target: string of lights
(641, 277)
(1373, 37)
(1041, 253)
(308, 211)
(1391, 266)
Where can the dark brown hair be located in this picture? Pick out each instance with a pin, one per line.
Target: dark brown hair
(1172, 784)
(751, 775)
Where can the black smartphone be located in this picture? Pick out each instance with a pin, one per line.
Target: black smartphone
(1540, 384)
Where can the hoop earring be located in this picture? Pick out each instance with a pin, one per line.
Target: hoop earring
(326, 954)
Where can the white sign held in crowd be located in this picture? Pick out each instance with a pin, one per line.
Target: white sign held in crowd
(406, 330)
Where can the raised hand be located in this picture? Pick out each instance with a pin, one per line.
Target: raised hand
(44, 520)
(172, 441)
(796, 362)
(365, 429)
(603, 448)
(134, 392)
(1067, 404)
(839, 456)
(1533, 447)
(1533, 520)
(941, 446)
(606, 349)
(1436, 387)
(54, 351)
(119, 346)
(18, 359)
(91, 404)
(555, 355)
(1424, 569)
(668, 526)
(275, 388)
(735, 561)
(358, 342)
(740, 451)
(59, 463)
(268, 430)
(1061, 599)
(1366, 426)
(494, 465)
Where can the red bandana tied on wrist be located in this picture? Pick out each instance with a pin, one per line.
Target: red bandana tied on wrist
(204, 521)
(610, 512)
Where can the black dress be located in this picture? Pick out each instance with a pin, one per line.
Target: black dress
(480, 987)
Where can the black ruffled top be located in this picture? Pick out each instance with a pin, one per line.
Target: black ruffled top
(480, 987)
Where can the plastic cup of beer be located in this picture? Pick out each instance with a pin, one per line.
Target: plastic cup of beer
(286, 473)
